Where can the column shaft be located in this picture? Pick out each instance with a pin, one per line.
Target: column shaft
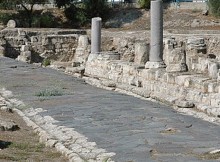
(156, 43)
(96, 35)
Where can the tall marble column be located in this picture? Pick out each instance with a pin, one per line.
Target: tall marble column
(95, 38)
(96, 35)
(156, 36)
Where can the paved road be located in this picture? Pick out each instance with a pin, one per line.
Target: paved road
(136, 130)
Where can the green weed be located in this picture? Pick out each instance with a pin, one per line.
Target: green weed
(48, 93)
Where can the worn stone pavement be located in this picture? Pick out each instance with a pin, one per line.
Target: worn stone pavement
(135, 130)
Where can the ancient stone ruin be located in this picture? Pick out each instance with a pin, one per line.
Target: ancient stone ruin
(178, 69)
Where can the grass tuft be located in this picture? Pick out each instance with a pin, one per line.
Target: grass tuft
(48, 93)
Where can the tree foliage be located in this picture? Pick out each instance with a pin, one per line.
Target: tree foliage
(80, 12)
(63, 3)
(214, 7)
(26, 7)
(7, 4)
(96, 8)
(144, 3)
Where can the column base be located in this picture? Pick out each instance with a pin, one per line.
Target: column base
(155, 65)
(92, 56)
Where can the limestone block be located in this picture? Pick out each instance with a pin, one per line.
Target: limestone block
(45, 40)
(123, 43)
(21, 41)
(11, 24)
(128, 55)
(92, 57)
(80, 55)
(109, 56)
(116, 41)
(40, 48)
(34, 39)
(144, 74)
(7, 125)
(61, 65)
(22, 33)
(197, 44)
(58, 45)
(213, 70)
(66, 45)
(188, 82)
(176, 67)
(169, 78)
(176, 61)
(218, 75)
(215, 100)
(184, 103)
(154, 65)
(79, 69)
(25, 48)
(203, 62)
(75, 64)
(141, 53)
(2, 51)
(177, 56)
(25, 57)
(54, 40)
(159, 74)
(141, 91)
(195, 41)
(83, 41)
(108, 83)
(212, 87)
(2, 41)
(168, 47)
(204, 87)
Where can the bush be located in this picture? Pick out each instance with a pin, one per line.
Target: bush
(96, 8)
(80, 14)
(46, 20)
(46, 62)
(214, 7)
(7, 5)
(76, 15)
(5, 17)
(144, 3)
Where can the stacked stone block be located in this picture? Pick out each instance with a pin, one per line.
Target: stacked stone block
(174, 56)
(25, 54)
(169, 87)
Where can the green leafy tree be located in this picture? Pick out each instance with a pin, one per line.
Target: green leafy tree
(214, 7)
(80, 12)
(26, 5)
(144, 3)
(7, 4)
(94, 8)
(63, 3)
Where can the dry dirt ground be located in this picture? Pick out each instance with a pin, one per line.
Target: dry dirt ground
(22, 144)
(139, 19)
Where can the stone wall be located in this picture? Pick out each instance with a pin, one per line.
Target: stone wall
(190, 5)
(56, 45)
(183, 89)
(191, 78)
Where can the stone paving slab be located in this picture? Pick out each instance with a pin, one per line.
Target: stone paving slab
(99, 125)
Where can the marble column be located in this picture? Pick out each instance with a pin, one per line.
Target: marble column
(96, 35)
(156, 36)
(95, 38)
